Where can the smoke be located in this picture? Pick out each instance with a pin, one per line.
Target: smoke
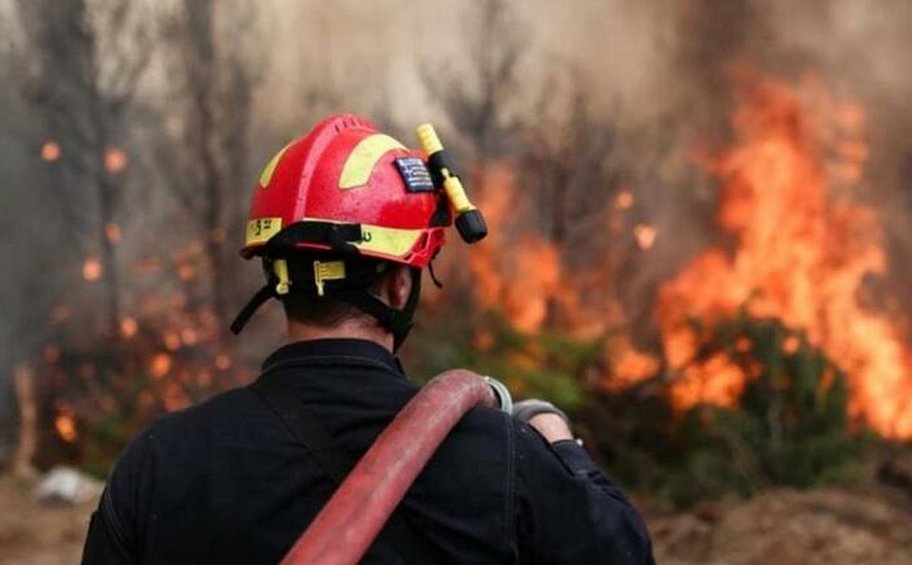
(660, 72)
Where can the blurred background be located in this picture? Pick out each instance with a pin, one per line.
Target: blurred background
(700, 239)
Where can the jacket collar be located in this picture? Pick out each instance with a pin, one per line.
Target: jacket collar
(358, 348)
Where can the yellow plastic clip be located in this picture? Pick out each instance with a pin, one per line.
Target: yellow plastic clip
(329, 271)
(431, 144)
(280, 268)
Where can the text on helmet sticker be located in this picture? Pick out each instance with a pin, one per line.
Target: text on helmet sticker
(260, 230)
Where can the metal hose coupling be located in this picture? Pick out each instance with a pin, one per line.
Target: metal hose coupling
(504, 400)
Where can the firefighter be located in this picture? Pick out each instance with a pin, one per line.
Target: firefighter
(344, 221)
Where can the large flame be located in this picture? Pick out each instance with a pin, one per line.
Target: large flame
(804, 251)
(519, 275)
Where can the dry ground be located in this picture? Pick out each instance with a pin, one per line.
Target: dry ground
(32, 533)
(828, 526)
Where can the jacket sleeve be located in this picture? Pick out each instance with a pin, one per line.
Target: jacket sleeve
(114, 533)
(568, 511)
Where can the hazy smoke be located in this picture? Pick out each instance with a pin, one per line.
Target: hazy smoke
(659, 70)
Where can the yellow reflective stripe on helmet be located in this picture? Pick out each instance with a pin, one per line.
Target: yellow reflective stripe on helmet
(364, 157)
(259, 230)
(394, 242)
(388, 241)
(266, 175)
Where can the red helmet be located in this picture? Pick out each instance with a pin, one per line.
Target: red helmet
(344, 173)
(348, 192)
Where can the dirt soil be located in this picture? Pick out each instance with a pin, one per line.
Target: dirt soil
(32, 533)
(828, 526)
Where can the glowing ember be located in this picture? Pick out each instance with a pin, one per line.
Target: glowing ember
(645, 236)
(160, 365)
(50, 151)
(91, 269)
(189, 336)
(791, 345)
(128, 327)
(186, 272)
(65, 424)
(222, 362)
(113, 234)
(803, 253)
(624, 200)
(115, 160)
(172, 341)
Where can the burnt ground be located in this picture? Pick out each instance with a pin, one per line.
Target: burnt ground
(831, 526)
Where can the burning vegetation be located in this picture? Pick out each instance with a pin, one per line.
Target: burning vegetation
(713, 308)
(802, 248)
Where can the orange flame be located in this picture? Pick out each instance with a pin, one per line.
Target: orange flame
(50, 151)
(519, 279)
(91, 269)
(645, 236)
(160, 365)
(65, 424)
(113, 233)
(624, 200)
(128, 327)
(115, 160)
(804, 251)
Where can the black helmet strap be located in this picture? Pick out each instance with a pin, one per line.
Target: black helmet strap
(397, 322)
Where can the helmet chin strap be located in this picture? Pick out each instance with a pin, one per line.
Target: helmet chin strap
(397, 322)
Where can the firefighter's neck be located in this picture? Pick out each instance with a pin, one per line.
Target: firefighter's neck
(349, 329)
(393, 290)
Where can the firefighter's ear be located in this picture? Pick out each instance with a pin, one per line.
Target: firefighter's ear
(396, 287)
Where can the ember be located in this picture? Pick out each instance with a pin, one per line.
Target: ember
(91, 270)
(50, 151)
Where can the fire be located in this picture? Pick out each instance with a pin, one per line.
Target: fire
(172, 341)
(189, 336)
(160, 365)
(645, 236)
(520, 278)
(113, 233)
(115, 160)
(624, 200)
(805, 247)
(91, 269)
(222, 362)
(128, 327)
(50, 151)
(65, 424)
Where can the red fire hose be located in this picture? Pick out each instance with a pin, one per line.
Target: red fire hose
(345, 528)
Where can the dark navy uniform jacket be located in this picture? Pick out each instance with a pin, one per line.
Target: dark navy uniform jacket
(226, 482)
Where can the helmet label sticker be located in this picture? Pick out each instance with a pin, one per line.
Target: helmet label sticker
(259, 230)
(415, 174)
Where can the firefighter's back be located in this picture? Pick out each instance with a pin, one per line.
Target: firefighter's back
(226, 480)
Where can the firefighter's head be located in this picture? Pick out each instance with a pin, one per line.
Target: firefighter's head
(344, 220)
